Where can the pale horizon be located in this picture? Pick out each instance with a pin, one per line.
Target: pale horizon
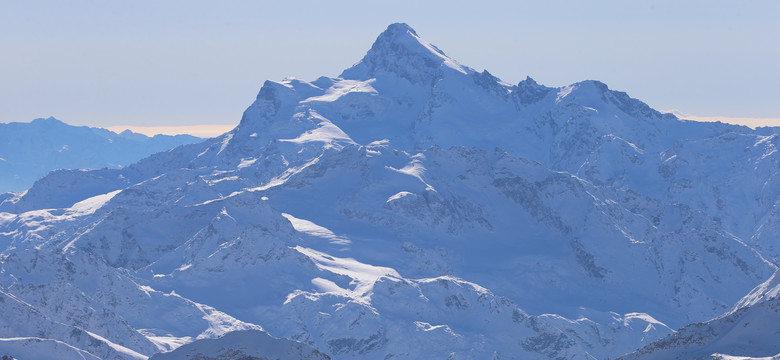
(752, 123)
(213, 130)
(202, 130)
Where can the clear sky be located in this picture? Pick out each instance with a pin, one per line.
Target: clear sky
(152, 63)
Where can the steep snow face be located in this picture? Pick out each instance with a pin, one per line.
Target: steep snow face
(411, 208)
(765, 291)
(30, 150)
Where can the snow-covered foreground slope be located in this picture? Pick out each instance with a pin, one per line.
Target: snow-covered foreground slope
(243, 345)
(410, 208)
(751, 330)
(30, 150)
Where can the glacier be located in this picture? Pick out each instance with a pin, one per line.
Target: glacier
(411, 207)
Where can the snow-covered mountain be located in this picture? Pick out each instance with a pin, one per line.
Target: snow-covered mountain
(30, 150)
(410, 208)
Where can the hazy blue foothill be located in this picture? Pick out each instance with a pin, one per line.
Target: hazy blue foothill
(30, 150)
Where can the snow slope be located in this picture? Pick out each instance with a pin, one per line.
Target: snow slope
(410, 208)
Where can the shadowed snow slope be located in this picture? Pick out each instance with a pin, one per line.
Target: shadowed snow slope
(410, 208)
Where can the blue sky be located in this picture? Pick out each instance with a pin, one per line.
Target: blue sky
(150, 63)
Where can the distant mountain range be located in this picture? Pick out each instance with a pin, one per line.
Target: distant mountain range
(30, 150)
(411, 208)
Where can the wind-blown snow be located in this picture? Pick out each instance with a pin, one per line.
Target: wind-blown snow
(363, 276)
(342, 88)
(326, 133)
(89, 206)
(310, 228)
(119, 348)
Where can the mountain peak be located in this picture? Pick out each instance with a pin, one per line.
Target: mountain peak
(400, 51)
(49, 121)
(398, 29)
